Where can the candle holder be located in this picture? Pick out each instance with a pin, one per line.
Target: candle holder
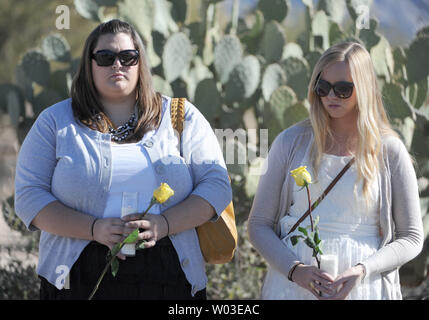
(329, 264)
(129, 206)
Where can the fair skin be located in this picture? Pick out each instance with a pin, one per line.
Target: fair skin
(116, 86)
(343, 122)
(343, 112)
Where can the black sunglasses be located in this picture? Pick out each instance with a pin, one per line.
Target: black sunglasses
(342, 89)
(105, 58)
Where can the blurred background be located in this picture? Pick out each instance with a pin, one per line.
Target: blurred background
(245, 64)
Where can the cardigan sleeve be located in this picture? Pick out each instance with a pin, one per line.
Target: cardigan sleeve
(35, 166)
(204, 157)
(405, 206)
(266, 205)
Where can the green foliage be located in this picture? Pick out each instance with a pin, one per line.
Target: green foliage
(241, 278)
(310, 238)
(274, 76)
(55, 47)
(229, 71)
(176, 56)
(227, 54)
(18, 282)
(274, 9)
(273, 41)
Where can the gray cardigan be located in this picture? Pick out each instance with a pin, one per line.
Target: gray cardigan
(400, 217)
(63, 160)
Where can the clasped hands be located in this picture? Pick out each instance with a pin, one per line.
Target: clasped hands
(110, 231)
(316, 280)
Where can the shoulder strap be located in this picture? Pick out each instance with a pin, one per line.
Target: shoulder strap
(323, 195)
(177, 113)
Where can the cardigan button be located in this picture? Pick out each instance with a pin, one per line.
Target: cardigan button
(185, 262)
(159, 169)
(149, 144)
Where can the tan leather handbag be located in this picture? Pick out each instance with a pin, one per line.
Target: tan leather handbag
(218, 239)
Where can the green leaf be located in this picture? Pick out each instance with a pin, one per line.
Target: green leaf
(316, 203)
(141, 245)
(132, 237)
(115, 266)
(295, 239)
(309, 242)
(303, 230)
(314, 253)
(316, 237)
(115, 250)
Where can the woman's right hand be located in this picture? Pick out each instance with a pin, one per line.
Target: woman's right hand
(313, 279)
(110, 231)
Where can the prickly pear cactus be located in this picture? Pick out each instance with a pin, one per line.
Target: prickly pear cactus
(230, 70)
(227, 54)
(176, 56)
(56, 48)
(36, 66)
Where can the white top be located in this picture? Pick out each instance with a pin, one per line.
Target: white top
(344, 203)
(400, 214)
(349, 230)
(133, 181)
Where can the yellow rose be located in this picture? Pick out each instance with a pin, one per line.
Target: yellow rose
(163, 193)
(301, 175)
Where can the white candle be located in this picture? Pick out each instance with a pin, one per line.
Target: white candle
(329, 264)
(129, 206)
(129, 249)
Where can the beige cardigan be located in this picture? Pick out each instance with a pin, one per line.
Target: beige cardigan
(400, 217)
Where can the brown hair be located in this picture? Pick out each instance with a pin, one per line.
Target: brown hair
(86, 104)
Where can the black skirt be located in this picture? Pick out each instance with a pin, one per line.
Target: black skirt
(154, 273)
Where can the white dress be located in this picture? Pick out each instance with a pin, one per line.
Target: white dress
(347, 228)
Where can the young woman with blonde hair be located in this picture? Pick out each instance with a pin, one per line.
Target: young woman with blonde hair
(370, 220)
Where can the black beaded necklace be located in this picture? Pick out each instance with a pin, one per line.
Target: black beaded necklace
(122, 132)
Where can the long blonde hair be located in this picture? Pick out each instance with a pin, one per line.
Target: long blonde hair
(372, 121)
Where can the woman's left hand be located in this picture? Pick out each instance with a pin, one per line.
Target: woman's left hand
(155, 227)
(346, 281)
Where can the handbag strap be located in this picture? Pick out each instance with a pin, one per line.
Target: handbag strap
(323, 195)
(178, 116)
